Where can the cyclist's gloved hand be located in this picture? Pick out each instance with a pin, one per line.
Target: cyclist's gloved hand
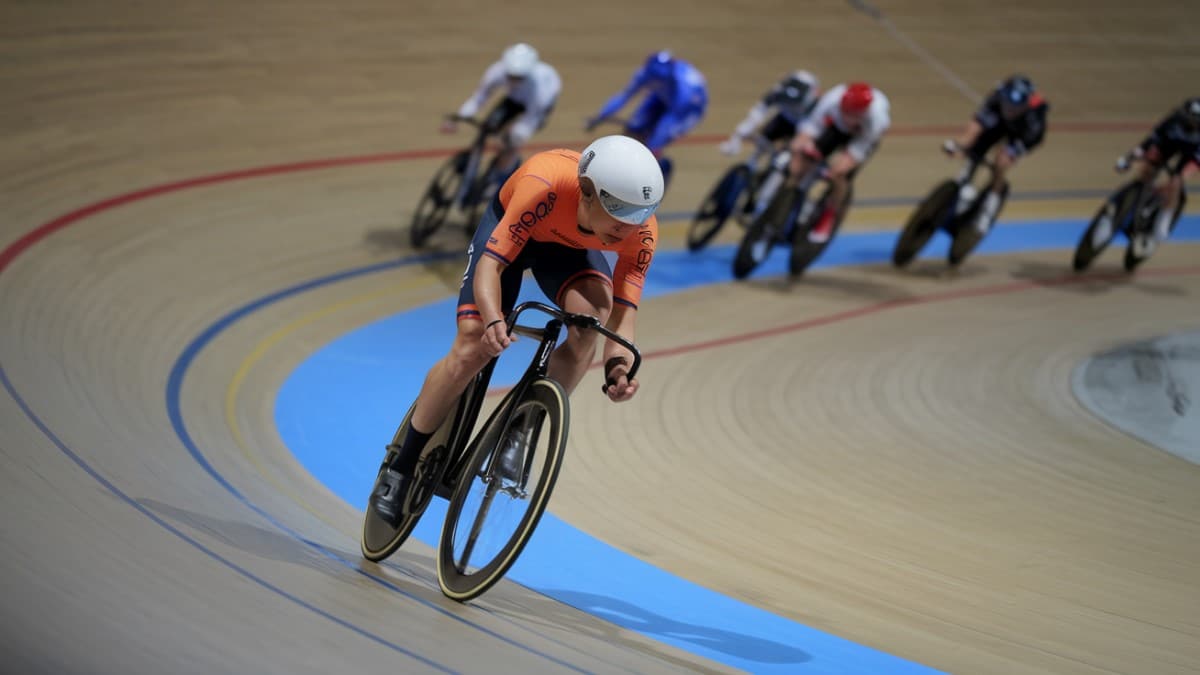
(1122, 164)
(616, 384)
(950, 147)
(495, 337)
(731, 146)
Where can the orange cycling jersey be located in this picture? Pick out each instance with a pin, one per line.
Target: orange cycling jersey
(541, 201)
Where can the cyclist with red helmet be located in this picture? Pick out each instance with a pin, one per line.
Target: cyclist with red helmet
(1014, 113)
(851, 118)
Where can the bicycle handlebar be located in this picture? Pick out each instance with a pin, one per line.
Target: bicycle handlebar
(455, 117)
(952, 148)
(569, 319)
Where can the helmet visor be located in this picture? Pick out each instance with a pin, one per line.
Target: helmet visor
(634, 214)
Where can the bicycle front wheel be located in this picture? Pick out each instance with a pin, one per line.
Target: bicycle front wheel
(923, 223)
(1096, 238)
(763, 233)
(727, 197)
(499, 500)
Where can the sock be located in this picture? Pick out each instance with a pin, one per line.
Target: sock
(410, 450)
(826, 219)
(991, 203)
(1162, 224)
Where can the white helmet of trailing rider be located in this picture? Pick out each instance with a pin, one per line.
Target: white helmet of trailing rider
(627, 177)
(519, 60)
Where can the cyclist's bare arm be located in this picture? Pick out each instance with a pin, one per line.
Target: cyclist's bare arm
(622, 321)
(974, 128)
(487, 297)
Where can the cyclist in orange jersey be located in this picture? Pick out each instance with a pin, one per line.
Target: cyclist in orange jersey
(554, 216)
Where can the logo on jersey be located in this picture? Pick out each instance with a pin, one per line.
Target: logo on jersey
(519, 231)
(647, 252)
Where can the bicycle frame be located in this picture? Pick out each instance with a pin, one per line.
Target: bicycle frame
(474, 158)
(467, 412)
(965, 177)
(1147, 191)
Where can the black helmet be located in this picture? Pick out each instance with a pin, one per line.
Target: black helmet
(1190, 110)
(1016, 91)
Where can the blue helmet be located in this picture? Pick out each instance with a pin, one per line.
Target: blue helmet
(660, 64)
(1016, 91)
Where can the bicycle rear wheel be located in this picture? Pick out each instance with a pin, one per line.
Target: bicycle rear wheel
(763, 233)
(727, 197)
(380, 538)
(436, 202)
(491, 517)
(923, 223)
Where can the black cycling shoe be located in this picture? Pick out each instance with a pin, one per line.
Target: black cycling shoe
(511, 458)
(388, 498)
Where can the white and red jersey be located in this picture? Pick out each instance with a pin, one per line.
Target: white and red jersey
(863, 139)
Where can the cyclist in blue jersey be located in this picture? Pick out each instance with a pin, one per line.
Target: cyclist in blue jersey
(677, 96)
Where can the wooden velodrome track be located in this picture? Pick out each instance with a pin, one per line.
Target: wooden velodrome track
(920, 480)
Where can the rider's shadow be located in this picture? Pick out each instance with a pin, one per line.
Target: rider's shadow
(279, 546)
(1101, 278)
(388, 239)
(633, 617)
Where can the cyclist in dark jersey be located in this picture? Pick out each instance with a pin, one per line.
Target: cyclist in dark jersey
(1174, 145)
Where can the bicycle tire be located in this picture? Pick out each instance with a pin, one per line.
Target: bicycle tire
(437, 200)
(379, 539)
(458, 580)
(923, 222)
(805, 251)
(760, 237)
(726, 197)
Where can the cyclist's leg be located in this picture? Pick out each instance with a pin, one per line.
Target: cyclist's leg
(580, 281)
(502, 121)
(987, 139)
(1172, 195)
(670, 126)
(778, 132)
(449, 377)
(643, 119)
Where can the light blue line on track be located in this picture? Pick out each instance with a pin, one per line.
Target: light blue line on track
(338, 408)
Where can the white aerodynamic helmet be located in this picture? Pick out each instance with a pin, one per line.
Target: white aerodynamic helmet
(627, 177)
(519, 60)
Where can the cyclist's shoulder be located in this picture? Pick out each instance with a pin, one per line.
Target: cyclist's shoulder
(544, 71)
(557, 157)
(556, 168)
